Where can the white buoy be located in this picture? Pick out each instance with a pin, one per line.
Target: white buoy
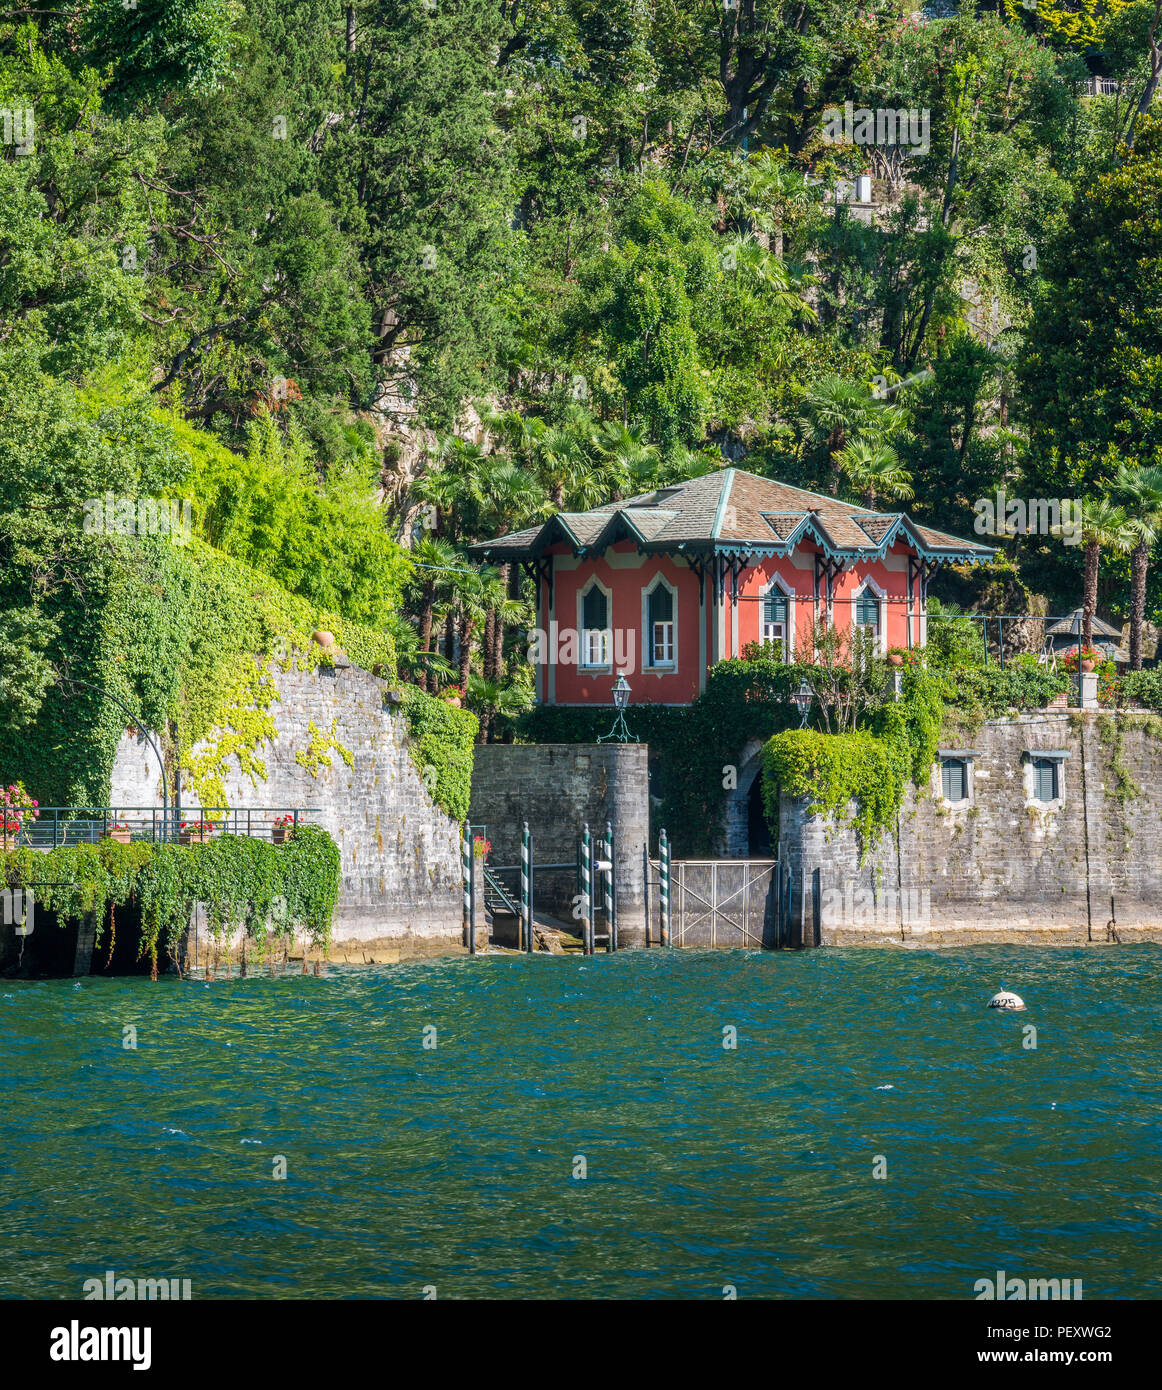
(1006, 1000)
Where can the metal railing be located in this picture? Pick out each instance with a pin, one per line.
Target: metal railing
(86, 825)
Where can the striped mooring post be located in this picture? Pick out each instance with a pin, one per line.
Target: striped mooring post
(586, 894)
(469, 890)
(610, 910)
(526, 920)
(664, 885)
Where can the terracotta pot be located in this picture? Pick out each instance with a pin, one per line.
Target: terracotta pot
(121, 836)
(895, 659)
(195, 837)
(1087, 666)
(324, 639)
(280, 834)
(454, 700)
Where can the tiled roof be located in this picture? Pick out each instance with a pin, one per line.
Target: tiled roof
(735, 511)
(1070, 626)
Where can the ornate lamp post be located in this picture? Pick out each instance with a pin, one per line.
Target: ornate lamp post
(620, 730)
(802, 699)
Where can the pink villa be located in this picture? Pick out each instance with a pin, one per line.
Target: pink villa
(662, 586)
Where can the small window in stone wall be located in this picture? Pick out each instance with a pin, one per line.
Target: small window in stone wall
(954, 779)
(1046, 779)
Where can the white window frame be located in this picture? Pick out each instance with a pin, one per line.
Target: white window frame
(968, 757)
(602, 638)
(1053, 755)
(649, 664)
(869, 586)
(778, 585)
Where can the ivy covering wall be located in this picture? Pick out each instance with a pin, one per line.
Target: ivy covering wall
(178, 634)
(270, 891)
(693, 748)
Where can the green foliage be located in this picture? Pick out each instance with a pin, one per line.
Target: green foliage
(1111, 731)
(1092, 368)
(318, 751)
(854, 777)
(328, 544)
(177, 633)
(955, 638)
(1142, 688)
(268, 890)
(988, 692)
(859, 777)
(441, 741)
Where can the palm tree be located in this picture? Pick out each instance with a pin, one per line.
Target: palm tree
(435, 560)
(491, 698)
(770, 275)
(512, 497)
(564, 457)
(628, 461)
(1104, 526)
(769, 190)
(874, 469)
(1141, 487)
(834, 409)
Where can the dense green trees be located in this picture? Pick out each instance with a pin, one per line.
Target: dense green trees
(346, 274)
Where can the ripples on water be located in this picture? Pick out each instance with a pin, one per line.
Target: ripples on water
(706, 1167)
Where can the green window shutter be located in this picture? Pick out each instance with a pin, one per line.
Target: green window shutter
(775, 608)
(594, 610)
(867, 612)
(1045, 779)
(661, 605)
(955, 779)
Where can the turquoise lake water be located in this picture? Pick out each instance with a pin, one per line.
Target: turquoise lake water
(706, 1167)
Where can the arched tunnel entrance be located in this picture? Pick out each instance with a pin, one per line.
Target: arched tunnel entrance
(745, 833)
(759, 845)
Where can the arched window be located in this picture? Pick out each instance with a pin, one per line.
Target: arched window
(868, 613)
(595, 631)
(778, 619)
(661, 627)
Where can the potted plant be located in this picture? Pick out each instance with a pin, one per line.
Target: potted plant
(283, 830)
(17, 809)
(481, 847)
(1081, 658)
(454, 695)
(897, 656)
(119, 831)
(195, 832)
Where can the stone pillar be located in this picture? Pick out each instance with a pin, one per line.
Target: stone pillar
(1089, 690)
(86, 937)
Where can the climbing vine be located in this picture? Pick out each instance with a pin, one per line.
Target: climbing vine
(1110, 732)
(440, 745)
(859, 778)
(318, 751)
(178, 634)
